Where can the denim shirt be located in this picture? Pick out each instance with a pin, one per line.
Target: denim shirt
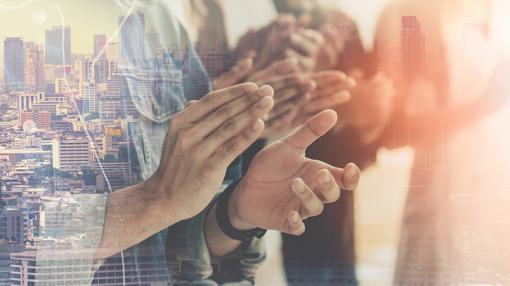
(158, 72)
(159, 81)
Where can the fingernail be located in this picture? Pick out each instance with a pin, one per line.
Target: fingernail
(294, 218)
(265, 90)
(265, 102)
(298, 186)
(259, 123)
(351, 170)
(342, 94)
(325, 178)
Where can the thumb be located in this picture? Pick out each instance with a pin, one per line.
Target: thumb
(312, 130)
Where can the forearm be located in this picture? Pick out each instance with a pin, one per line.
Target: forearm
(132, 215)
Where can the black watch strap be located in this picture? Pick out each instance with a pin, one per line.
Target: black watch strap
(223, 218)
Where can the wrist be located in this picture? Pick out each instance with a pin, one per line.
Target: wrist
(233, 211)
(159, 202)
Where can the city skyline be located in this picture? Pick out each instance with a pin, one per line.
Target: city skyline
(40, 16)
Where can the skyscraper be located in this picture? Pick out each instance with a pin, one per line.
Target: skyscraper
(34, 66)
(413, 47)
(88, 90)
(29, 65)
(101, 70)
(132, 38)
(14, 64)
(112, 52)
(40, 83)
(99, 44)
(58, 46)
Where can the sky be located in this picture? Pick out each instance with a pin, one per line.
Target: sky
(30, 18)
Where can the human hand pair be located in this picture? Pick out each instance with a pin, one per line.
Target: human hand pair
(298, 98)
(284, 37)
(371, 106)
(201, 142)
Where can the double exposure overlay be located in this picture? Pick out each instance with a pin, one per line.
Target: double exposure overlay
(254, 142)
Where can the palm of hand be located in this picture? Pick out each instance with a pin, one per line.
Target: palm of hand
(266, 197)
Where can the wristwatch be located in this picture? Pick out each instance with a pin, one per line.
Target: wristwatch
(224, 222)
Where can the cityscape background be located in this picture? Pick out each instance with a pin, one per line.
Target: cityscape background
(63, 125)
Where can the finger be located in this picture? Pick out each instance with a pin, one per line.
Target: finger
(282, 121)
(190, 103)
(331, 81)
(351, 176)
(313, 129)
(285, 66)
(319, 104)
(347, 178)
(292, 103)
(229, 151)
(213, 101)
(313, 36)
(221, 116)
(294, 224)
(331, 36)
(311, 205)
(305, 63)
(286, 81)
(295, 93)
(285, 94)
(235, 126)
(327, 187)
(306, 43)
(234, 75)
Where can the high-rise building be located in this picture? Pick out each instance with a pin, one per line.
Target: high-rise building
(58, 46)
(109, 108)
(70, 153)
(112, 51)
(88, 90)
(14, 64)
(112, 68)
(100, 42)
(84, 70)
(413, 47)
(114, 83)
(34, 66)
(132, 38)
(13, 224)
(39, 68)
(101, 70)
(29, 65)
